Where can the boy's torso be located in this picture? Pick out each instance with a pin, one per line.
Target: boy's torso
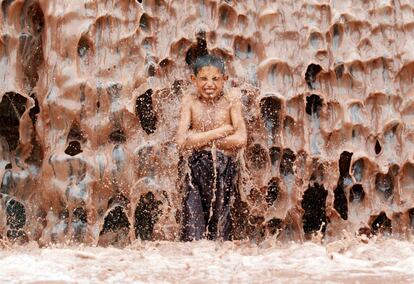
(208, 116)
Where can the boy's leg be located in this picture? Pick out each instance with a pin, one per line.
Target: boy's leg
(219, 226)
(198, 196)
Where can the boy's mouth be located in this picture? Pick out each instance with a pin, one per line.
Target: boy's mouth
(209, 91)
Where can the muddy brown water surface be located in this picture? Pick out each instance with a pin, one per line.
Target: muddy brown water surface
(345, 261)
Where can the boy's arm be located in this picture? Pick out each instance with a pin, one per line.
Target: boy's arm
(189, 140)
(239, 138)
(185, 122)
(201, 139)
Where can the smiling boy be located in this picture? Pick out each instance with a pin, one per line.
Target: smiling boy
(212, 126)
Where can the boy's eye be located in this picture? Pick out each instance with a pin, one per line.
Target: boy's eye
(216, 78)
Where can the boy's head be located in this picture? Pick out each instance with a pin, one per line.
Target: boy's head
(209, 76)
(208, 60)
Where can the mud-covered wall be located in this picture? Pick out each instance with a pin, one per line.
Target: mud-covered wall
(90, 99)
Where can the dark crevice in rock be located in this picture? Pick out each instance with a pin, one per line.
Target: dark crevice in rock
(340, 202)
(339, 71)
(84, 46)
(378, 147)
(12, 107)
(345, 163)
(270, 108)
(74, 148)
(197, 50)
(384, 184)
(314, 205)
(151, 70)
(79, 223)
(411, 218)
(311, 72)
(286, 164)
(275, 153)
(145, 22)
(146, 215)
(274, 225)
(165, 63)
(272, 191)
(75, 133)
(16, 214)
(79, 215)
(30, 41)
(336, 31)
(116, 225)
(257, 156)
(4, 5)
(288, 124)
(145, 112)
(357, 193)
(75, 137)
(381, 224)
(393, 170)
(16, 220)
(243, 48)
(313, 105)
(117, 136)
(16, 235)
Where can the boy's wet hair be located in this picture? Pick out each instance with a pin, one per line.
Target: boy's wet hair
(208, 60)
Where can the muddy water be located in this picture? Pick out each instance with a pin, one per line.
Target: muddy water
(89, 106)
(344, 261)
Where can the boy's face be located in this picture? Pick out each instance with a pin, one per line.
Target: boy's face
(209, 82)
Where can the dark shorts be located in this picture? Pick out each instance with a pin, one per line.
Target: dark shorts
(206, 208)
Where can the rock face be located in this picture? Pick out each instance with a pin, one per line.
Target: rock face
(90, 100)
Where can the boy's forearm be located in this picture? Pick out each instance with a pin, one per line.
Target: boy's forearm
(232, 142)
(200, 139)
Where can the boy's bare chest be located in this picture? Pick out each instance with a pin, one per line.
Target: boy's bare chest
(207, 117)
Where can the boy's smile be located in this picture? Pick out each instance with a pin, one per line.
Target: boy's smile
(209, 82)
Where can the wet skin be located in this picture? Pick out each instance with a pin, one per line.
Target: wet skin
(212, 116)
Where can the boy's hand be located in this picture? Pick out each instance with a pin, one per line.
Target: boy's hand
(200, 139)
(226, 130)
(221, 133)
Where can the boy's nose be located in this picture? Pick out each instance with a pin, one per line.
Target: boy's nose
(210, 83)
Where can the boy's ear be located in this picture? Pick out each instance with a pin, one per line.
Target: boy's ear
(193, 78)
(225, 77)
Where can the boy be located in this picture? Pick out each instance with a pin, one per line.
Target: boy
(212, 126)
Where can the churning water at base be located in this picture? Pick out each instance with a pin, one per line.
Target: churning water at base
(349, 260)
